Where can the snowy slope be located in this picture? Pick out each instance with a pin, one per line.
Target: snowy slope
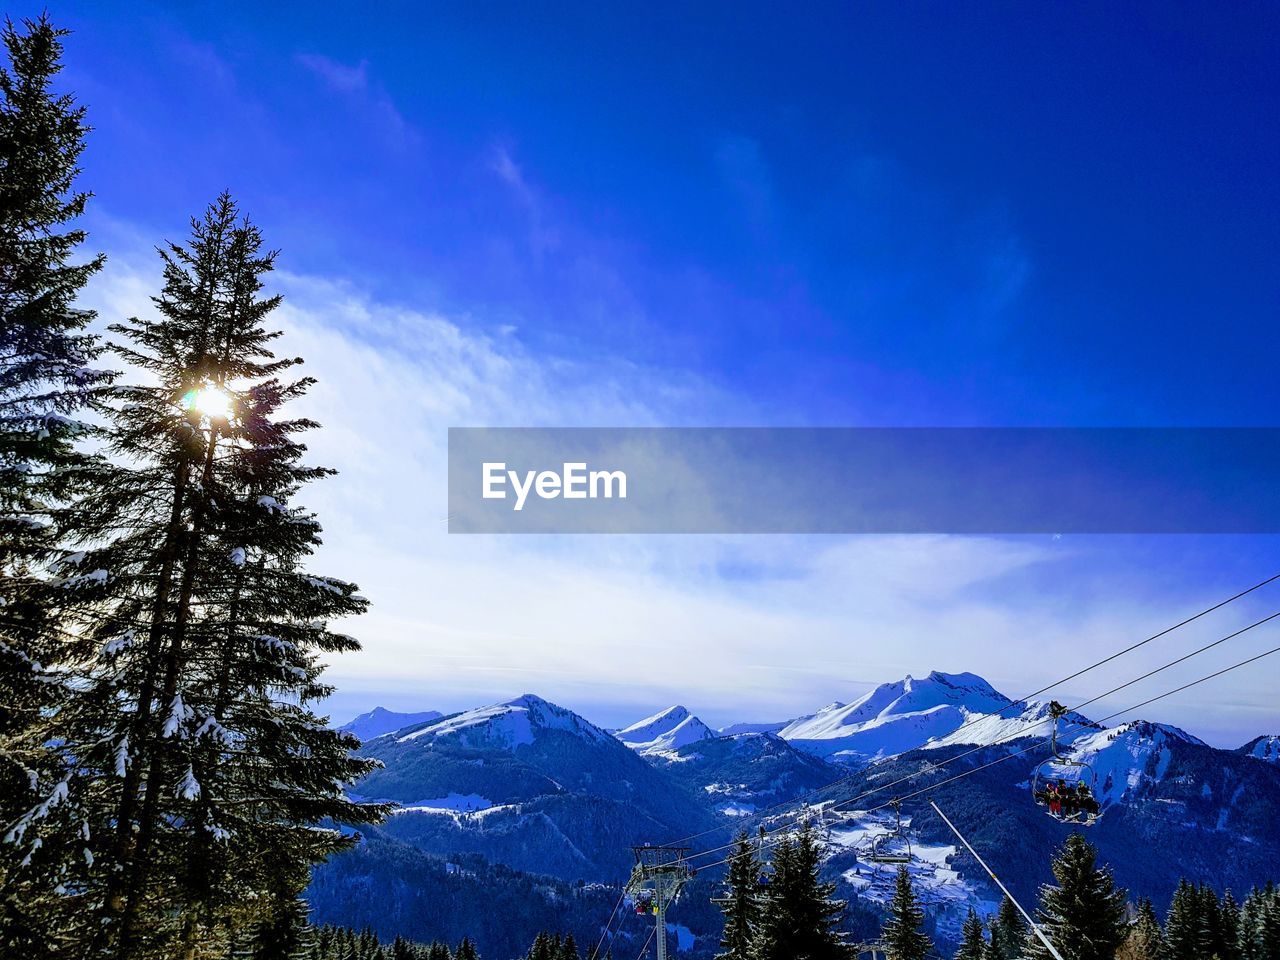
(941, 889)
(668, 730)
(895, 717)
(379, 721)
(1264, 748)
(1030, 719)
(527, 783)
(1131, 759)
(509, 724)
(734, 729)
(849, 837)
(747, 772)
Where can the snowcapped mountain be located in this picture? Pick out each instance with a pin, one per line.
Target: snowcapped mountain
(1130, 760)
(1019, 719)
(509, 724)
(736, 728)
(895, 717)
(379, 721)
(746, 772)
(667, 730)
(526, 785)
(1264, 748)
(529, 784)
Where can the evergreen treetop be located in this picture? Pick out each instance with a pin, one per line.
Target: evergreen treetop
(903, 932)
(1082, 914)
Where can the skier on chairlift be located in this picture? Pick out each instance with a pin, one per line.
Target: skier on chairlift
(1054, 799)
(1067, 795)
(1085, 802)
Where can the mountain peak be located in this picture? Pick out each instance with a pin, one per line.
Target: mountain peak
(380, 721)
(1266, 747)
(896, 716)
(510, 723)
(529, 701)
(665, 730)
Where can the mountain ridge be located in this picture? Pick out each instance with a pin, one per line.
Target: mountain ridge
(529, 786)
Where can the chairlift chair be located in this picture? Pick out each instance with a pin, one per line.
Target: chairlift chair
(1060, 771)
(892, 847)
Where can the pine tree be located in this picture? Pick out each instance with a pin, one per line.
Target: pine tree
(1083, 914)
(1186, 928)
(741, 903)
(283, 934)
(1213, 937)
(1270, 928)
(203, 657)
(466, 950)
(1229, 914)
(1008, 932)
(1143, 940)
(973, 945)
(800, 918)
(569, 948)
(45, 380)
(903, 934)
(1257, 917)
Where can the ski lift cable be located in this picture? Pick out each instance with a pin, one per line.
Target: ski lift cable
(608, 924)
(1019, 734)
(1000, 883)
(1017, 753)
(645, 948)
(1035, 693)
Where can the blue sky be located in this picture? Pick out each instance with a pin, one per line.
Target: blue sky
(890, 214)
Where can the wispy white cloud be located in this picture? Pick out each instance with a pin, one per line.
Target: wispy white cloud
(354, 84)
(739, 627)
(543, 236)
(338, 76)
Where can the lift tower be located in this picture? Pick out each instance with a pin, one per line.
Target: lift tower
(657, 877)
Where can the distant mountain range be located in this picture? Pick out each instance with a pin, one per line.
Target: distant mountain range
(379, 721)
(528, 789)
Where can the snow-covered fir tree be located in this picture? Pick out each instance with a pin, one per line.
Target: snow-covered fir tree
(203, 654)
(973, 945)
(1229, 926)
(1143, 940)
(1258, 931)
(46, 381)
(740, 902)
(1082, 913)
(546, 946)
(1008, 932)
(801, 916)
(1199, 924)
(903, 932)
(1186, 928)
